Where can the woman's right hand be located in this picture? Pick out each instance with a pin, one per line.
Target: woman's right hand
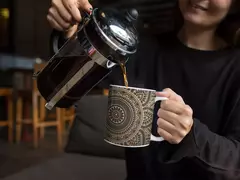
(64, 15)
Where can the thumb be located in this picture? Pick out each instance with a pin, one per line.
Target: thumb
(163, 94)
(86, 6)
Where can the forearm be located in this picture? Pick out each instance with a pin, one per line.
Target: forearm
(219, 152)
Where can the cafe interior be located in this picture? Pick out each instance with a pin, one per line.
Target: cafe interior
(36, 143)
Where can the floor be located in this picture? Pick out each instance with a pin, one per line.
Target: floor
(16, 157)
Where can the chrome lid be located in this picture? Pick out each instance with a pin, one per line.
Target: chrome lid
(117, 29)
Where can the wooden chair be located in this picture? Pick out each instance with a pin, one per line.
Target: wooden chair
(38, 115)
(105, 92)
(42, 118)
(7, 92)
(62, 116)
(67, 116)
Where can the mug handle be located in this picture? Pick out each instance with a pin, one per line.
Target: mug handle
(155, 138)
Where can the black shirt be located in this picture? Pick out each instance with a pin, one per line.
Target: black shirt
(209, 82)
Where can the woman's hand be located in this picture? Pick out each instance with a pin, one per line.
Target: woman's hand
(174, 117)
(64, 15)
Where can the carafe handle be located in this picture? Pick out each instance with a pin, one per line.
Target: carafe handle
(85, 18)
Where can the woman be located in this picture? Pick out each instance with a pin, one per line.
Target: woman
(200, 74)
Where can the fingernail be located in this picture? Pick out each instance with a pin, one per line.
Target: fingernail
(161, 92)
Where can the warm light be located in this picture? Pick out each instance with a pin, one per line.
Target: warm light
(4, 12)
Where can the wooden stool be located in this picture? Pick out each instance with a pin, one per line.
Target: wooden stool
(7, 92)
(105, 92)
(38, 119)
(67, 115)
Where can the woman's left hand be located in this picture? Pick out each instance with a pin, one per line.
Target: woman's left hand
(174, 117)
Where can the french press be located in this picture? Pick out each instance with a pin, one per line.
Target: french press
(104, 39)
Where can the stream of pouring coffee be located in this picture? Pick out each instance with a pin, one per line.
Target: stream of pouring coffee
(124, 72)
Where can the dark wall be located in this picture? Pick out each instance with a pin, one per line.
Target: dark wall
(4, 3)
(31, 29)
(31, 32)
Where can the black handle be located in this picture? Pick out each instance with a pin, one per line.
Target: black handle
(84, 15)
(85, 18)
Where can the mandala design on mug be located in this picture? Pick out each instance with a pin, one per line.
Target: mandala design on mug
(125, 116)
(116, 114)
(130, 116)
(148, 117)
(143, 96)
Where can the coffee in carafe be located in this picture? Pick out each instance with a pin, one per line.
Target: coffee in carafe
(105, 39)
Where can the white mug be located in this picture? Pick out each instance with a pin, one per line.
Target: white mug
(130, 116)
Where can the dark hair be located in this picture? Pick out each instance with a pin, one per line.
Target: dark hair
(229, 28)
(178, 18)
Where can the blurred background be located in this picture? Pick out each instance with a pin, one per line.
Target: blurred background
(23, 28)
(28, 134)
(24, 42)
